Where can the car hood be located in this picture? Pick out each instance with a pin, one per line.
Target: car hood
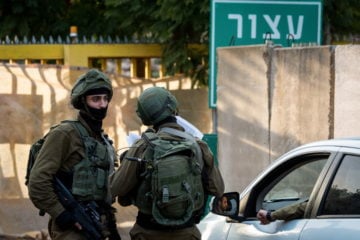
(214, 227)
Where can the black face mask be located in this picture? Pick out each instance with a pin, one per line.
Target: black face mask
(97, 114)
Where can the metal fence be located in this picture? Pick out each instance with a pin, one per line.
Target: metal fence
(71, 40)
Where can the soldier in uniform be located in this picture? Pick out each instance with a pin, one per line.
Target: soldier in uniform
(157, 108)
(65, 156)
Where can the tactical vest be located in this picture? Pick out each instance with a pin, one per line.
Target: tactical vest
(90, 175)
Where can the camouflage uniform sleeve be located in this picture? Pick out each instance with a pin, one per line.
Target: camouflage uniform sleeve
(212, 179)
(59, 147)
(125, 178)
(294, 211)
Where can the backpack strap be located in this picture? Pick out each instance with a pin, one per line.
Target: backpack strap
(176, 132)
(185, 135)
(81, 129)
(148, 137)
(84, 134)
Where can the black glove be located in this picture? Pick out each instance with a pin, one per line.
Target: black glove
(65, 220)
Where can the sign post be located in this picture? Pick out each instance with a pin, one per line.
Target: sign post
(241, 22)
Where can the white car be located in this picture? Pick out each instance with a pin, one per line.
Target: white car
(326, 174)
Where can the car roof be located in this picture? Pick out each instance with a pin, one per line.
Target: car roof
(353, 142)
(349, 142)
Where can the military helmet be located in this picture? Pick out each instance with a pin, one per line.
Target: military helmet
(92, 80)
(155, 104)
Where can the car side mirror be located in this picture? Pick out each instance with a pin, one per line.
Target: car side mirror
(226, 205)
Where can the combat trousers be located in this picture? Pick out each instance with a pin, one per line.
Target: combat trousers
(140, 233)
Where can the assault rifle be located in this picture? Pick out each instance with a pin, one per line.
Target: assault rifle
(85, 215)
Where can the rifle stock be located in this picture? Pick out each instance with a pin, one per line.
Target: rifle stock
(86, 216)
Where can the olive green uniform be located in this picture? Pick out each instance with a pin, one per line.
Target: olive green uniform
(126, 179)
(61, 151)
(294, 211)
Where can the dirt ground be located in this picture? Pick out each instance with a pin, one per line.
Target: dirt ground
(19, 219)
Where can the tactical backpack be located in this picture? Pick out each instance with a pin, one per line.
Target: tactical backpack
(174, 169)
(34, 152)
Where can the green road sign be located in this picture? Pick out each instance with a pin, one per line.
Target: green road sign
(238, 22)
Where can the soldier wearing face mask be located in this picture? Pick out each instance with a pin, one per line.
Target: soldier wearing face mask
(82, 164)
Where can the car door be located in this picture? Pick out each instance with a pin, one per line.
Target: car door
(293, 181)
(336, 214)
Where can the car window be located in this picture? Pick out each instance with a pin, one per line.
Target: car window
(295, 186)
(344, 194)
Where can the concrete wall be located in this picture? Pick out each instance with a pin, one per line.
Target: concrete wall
(242, 109)
(272, 99)
(35, 97)
(300, 86)
(347, 91)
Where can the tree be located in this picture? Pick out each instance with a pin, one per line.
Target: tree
(31, 17)
(173, 23)
(341, 18)
(52, 18)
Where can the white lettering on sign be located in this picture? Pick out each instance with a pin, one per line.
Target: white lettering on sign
(237, 17)
(298, 33)
(273, 24)
(252, 18)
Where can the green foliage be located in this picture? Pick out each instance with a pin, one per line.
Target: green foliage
(342, 16)
(175, 24)
(30, 17)
(47, 17)
(131, 18)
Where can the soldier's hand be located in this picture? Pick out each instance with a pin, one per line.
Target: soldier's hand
(67, 220)
(261, 215)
